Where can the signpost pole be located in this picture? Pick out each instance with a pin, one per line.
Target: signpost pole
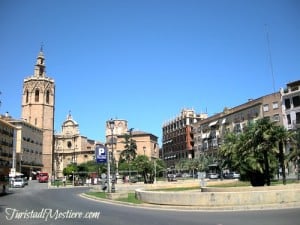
(102, 156)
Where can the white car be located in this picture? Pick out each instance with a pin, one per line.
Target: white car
(213, 176)
(18, 182)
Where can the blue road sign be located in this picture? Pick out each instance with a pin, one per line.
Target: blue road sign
(101, 154)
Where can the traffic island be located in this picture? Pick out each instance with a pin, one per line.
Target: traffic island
(234, 197)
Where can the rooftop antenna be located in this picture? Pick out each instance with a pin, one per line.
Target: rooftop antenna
(270, 57)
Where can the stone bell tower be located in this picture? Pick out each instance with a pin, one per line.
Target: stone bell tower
(38, 98)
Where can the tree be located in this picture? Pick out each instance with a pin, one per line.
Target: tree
(129, 152)
(283, 136)
(70, 169)
(294, 154)
(254, 151)
(144, 167)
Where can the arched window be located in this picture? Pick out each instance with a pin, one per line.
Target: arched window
(47, 96)
(27, 96)
(37, 95)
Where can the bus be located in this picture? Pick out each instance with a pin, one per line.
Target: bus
(42, 177)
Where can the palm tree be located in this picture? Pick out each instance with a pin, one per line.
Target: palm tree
(294, 154)
(283, 136)
(228, 151)
(253, 151)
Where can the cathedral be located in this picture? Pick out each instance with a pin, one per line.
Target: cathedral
(38, 106)
(68, 146)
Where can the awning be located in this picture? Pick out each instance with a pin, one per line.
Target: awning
(15, 174)
(213, 123)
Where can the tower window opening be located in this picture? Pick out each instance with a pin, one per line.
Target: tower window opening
(47, 96)
(27, 96)
(41, 71)
(37, 95)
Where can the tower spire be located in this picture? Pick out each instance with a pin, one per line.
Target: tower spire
(42, 46)
(40, 68)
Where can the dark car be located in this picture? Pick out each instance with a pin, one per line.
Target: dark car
(232, 175)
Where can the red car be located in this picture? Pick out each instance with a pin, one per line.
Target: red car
(43, 177)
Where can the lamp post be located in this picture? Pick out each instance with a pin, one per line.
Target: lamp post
(112, 126)
(130, 146)
(144, 148)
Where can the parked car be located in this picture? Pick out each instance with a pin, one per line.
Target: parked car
(213, 175)
(18, 182)
(232, 175)
(172, 177)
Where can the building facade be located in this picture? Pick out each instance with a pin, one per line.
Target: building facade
(71, 147)
(29, 148)
(7, 131)
(38, 98)
(209, 133)
(178, 139)
(291, 105)
(147, 143)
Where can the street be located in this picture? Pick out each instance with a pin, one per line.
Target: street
(36, 204)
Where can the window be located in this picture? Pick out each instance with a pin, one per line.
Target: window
(298, 118)
(37, 95)
(288, 117)
(266, 108)
(47, 96)
(275, 105)
(296, 101)
(27, 96)
(237, 128)
(276, 118)
(287, 103)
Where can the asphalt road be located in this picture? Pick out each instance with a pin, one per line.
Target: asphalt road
(35, 204)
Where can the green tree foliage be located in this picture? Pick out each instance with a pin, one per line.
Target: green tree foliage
(70, 169)
(195, 164)
(256, 151)
(129, 152)
(147, 168)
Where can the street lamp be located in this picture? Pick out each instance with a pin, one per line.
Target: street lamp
(112, 126)
(130, 146)
(144, 148)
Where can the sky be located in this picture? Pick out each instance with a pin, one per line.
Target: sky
(146, 60)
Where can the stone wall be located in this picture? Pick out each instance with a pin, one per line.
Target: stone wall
(219, 198)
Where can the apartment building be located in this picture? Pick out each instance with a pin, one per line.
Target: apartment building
(291, 105)
(209, 133)
(29, 148)
(6, 146)
(178, 139)
(26, 144)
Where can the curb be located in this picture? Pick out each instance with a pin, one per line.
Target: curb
(195, 208)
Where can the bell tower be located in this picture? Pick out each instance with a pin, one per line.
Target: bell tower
(38, 98)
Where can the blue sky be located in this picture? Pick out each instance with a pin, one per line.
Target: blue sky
(144, 61)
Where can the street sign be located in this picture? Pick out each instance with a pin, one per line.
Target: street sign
(101, 154)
